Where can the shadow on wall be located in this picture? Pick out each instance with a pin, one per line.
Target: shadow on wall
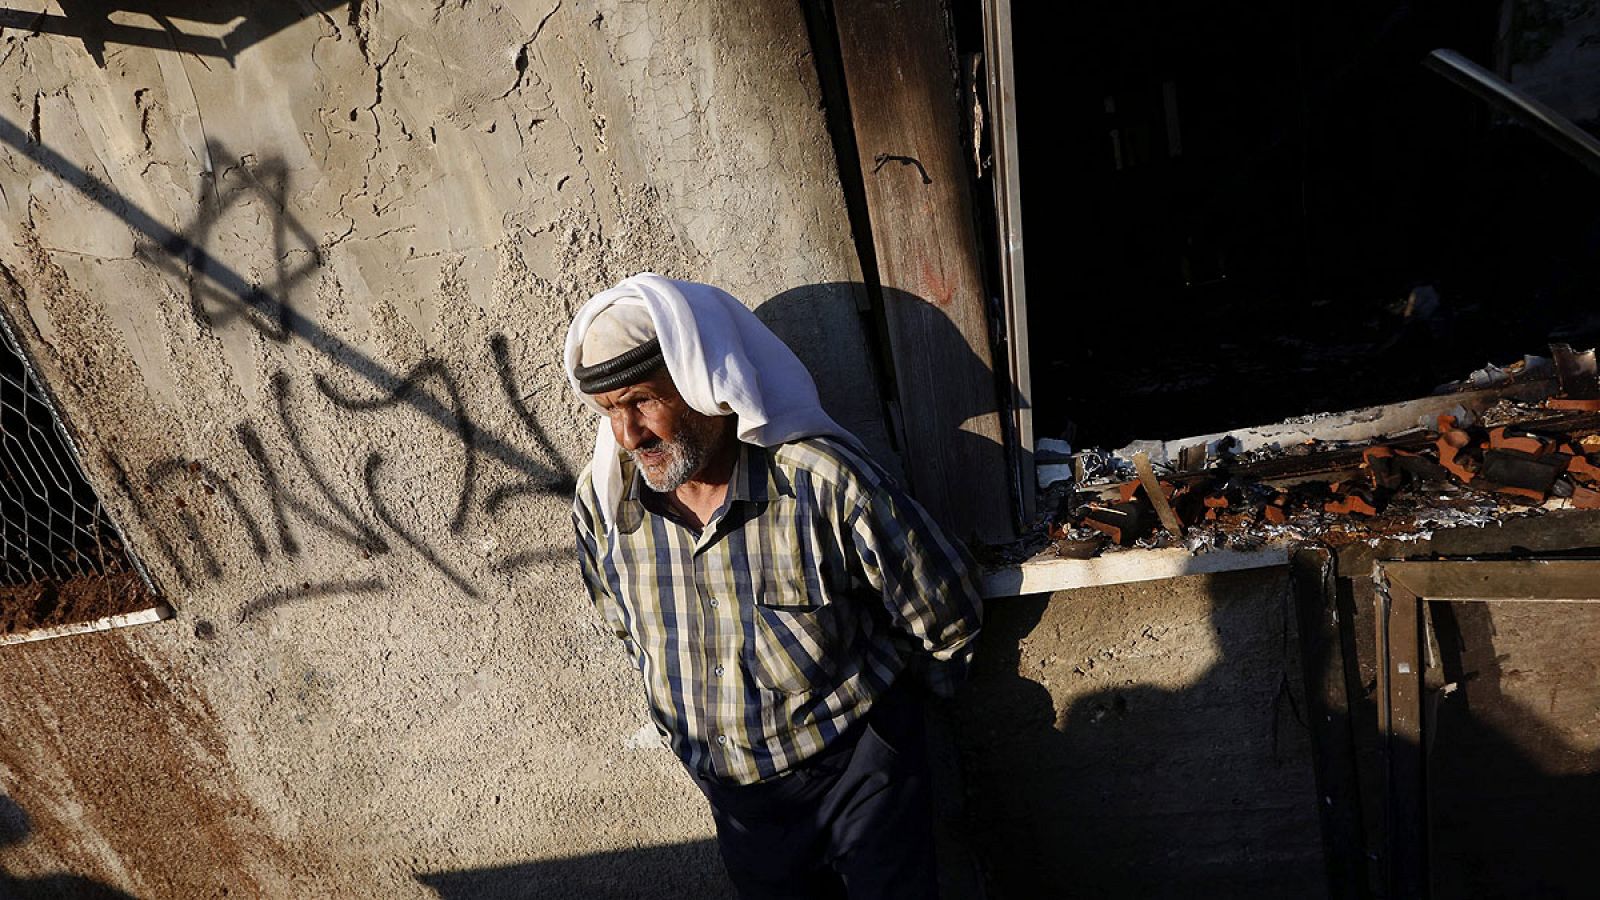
(793, 317)
(1086, 777)
(187, 26)
(689, 871)
(808, 319)
(14, 830)
(1512, 787)
(1134, 789)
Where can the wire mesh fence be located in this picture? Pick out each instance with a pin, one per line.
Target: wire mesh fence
(52, 525)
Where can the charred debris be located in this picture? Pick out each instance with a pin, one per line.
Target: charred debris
(1505, 442)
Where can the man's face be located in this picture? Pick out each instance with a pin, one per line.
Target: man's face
(669, 441)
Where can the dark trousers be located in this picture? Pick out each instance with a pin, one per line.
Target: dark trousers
(856, 821)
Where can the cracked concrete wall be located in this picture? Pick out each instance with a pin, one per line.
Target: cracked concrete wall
(299, 274)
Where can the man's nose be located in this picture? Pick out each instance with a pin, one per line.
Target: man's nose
(630, 431)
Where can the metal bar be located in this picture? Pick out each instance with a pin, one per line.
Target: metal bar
(1544, 121)
(142, 617)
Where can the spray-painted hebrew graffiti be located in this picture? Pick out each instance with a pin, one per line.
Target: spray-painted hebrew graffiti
(222, 284)
(293, 513)
(305, 505)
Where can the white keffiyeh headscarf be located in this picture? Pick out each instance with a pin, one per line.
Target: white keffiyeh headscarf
(722, 358)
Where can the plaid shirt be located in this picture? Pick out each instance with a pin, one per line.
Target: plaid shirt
(765, 635)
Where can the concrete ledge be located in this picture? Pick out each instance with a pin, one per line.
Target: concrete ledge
(142, 617)
(1041, 576)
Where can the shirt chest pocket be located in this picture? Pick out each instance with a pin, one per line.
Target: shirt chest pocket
(799, 628)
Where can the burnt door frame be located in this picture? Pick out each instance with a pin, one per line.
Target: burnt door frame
(1401, 614)
(1338, 603)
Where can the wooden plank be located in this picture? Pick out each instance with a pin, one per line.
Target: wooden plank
(1510, 749)
(1401, 692)
(1359, 626)
(1550, 532)
(1528, 580)
(1158, 499)
(1367, 423)
(1381, 699)
(901, 82)
(1327, 710)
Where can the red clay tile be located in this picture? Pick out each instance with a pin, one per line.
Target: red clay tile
(1352, 503)
(1569, 403)
(1527, 443)
(1585, 497)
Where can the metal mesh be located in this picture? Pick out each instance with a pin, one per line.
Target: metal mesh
(52, 525)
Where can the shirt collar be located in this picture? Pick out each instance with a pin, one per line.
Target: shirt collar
(755, 479)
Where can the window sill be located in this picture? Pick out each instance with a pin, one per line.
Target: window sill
(142, 617)
(1045, 575)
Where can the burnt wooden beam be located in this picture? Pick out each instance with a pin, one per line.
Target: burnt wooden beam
(1557, 531)
(1407, 597)
(1327, 658)
(1358, 609)
(1509, 580)
(1400, 717)
(900, 77)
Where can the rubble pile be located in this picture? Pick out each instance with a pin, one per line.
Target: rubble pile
(1516, 457)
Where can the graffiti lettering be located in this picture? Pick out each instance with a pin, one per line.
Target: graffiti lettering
(219, 296)
(424, 371)
(364, 523)
(213, 482)
(308, 591)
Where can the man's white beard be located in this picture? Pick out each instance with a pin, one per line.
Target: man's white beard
(684, 459)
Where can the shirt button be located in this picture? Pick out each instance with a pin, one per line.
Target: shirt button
(722, 739)
(717, 671)
(713, 603)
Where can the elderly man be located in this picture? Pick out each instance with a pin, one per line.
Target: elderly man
(778, 593)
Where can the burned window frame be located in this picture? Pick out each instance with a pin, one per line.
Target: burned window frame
(996, 155)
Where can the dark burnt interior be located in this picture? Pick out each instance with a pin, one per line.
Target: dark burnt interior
(1253, 263)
